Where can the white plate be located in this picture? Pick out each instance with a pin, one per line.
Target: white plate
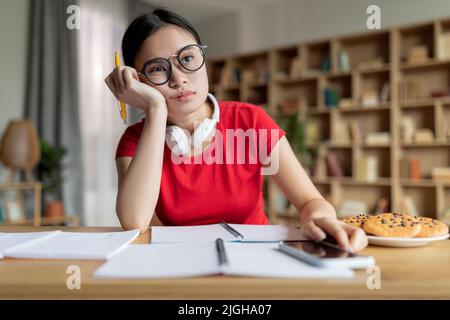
(403, 242)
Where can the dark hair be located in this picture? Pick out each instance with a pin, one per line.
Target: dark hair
(147, 24)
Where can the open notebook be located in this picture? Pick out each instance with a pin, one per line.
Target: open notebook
(227, 232)
(65, 245)
(182, 260)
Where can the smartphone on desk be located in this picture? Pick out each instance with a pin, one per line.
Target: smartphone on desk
(325, 254)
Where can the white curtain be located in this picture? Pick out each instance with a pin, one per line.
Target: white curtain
(103, 23)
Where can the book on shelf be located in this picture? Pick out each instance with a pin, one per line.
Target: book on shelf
(443, 46)
(408, 127)
(445, 216)
(325, 64)
(372, 169)
(331, 97)
(370, 64)
(345, 103)
(385, 92)
(446, 128)
(415, 169)
(409, 90)
(423, 135)
(440, 93)
(382, 206)
(408, 207)
(320, 167)
(356, 131)
(248, 76)
(441, 174)
(418, 54)
(343, 61)
(312, 131)
(342, 132)
(225, 76)
(295, 69)
(377, 138)
(261, 70)
(369, 99)
(236, 75)
(367, 168)
(359, 164)
(410, 169)
(333, 166)
(404, 168)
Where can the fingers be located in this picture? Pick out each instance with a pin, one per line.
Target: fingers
(335, 229)
(311, 231)
(128, 77)
(358, 238)
(109, 80)
(120, 80)
(118, 77)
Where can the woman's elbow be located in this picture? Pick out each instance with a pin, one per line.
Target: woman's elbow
(133, 221)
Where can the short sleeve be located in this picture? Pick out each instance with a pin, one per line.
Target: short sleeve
(129, 140)
(269, 132)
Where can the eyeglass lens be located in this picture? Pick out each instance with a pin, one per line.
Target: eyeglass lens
(158, 71)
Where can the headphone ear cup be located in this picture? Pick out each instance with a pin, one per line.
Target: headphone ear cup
(177, 140)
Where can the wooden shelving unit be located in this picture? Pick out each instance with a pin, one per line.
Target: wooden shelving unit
(385, 81)
(37, 220)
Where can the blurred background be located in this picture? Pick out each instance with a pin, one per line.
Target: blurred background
(60, 125)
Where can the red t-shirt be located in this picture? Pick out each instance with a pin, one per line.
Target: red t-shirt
(206, 192)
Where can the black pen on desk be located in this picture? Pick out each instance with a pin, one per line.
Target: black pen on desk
(233, 231)
(220, 248)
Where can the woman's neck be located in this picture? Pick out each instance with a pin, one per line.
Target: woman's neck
(190, 121)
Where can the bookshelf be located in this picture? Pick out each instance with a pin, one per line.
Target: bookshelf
(375, 103)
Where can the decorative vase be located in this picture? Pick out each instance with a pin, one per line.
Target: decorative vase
(19, 147)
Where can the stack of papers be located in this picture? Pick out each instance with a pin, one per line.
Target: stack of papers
(209, 233)
(10, 240)
(169, 260)
(65, 245)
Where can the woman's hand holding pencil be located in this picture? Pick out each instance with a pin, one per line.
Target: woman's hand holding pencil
(124, 83)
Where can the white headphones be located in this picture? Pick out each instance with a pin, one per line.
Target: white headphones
(180, 141)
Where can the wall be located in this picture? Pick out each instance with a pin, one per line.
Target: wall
(13, 56)
(290, 21)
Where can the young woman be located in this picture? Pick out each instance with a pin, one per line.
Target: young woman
(165, 76)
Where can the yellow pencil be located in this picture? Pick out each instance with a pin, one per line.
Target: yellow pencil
(123, 107)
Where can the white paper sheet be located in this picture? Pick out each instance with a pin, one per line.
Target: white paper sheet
(265, 260)
(161, 261)
(208, 233)
(267, 233)
(74, 245)
(205, 233)
(180, 260)
(10, 239)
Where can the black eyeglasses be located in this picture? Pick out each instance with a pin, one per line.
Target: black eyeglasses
(159, 70)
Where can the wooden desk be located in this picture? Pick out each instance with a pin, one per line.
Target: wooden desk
(405, 273)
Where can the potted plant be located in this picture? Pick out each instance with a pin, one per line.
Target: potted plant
(295, 126)
(50, 169)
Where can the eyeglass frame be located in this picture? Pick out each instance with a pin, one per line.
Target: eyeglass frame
(177, 55)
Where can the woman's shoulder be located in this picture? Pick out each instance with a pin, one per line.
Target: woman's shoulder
(240, 111)
(239, 106)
